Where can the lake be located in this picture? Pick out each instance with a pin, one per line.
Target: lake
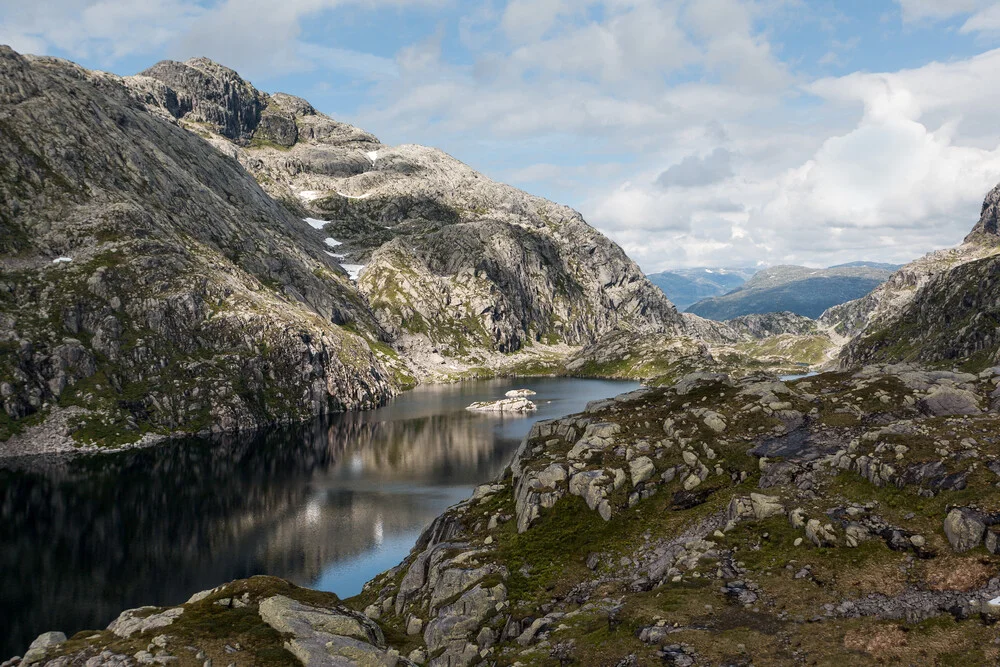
(328, 504)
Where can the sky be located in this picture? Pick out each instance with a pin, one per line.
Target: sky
(692, 132)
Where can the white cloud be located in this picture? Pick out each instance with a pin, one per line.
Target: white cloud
(100, 29)
(696, 170)
(987, 20)
(529, 20)
(983, 15)
(256, 37)
(892, 187)
(916, 10)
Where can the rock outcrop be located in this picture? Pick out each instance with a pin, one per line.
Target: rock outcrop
(149, 285)
(455, 266)
(941, 307)
(730, 504)
(514, 404)
(986, 231)
(149, 282)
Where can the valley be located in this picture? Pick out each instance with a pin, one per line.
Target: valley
(238, 341)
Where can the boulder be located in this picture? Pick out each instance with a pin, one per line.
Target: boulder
(946, 401)
(641, 469)
(714, 421)
(519, 393)
(589, 485)
(819, 534)
(36, 652)
(132, 621)
(321, 637)
(764, 507)
(992, 541)
(458, 623)
(290, 616)
(965, 528)
(739, 508)
(855, 534)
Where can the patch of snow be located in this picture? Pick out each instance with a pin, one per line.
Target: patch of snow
(364, 196)
(60, 260)
(333, 254)
(995, 602)
(333, 243)
(316, 224)
(353, 270)
(373, 156)
(310, 195)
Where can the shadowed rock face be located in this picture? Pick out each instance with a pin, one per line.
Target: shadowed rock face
(139, 253)
(456, 265)
(185, 297)
(944, 306)
(203, 91)
(986, 230)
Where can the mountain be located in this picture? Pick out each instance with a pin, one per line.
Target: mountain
(180, 252)
(687, 286)
(797, 289)
(872, 265)
(943, 307)
(455, 267)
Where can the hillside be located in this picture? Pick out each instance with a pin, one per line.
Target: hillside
(687, 286)
(842, 518)
(455, 267)
(941, 308)
(181, 252)
(797, 289)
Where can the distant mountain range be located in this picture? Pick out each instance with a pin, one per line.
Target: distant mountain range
(687, 286)
(797, 289)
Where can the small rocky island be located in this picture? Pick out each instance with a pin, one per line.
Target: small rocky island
(517, 404)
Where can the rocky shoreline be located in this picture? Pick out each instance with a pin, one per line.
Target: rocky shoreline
(675, 524)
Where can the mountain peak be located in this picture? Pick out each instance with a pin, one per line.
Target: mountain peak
(208, 92)
(986, 230)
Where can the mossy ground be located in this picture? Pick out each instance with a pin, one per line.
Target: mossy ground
(788, 624)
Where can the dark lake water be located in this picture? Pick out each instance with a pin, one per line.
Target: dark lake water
(327, 505)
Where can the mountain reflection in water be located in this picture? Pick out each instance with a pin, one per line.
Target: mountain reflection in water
(329, 504)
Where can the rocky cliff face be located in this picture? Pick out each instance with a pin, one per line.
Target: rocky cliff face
(455, 266)
(148, 284)
(182, 252)
(986, 231)
(943, 306)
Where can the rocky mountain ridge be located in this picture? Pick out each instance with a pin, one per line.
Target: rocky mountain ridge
(456, 266)
(150, 286)
(941, 308)
(182, 252)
